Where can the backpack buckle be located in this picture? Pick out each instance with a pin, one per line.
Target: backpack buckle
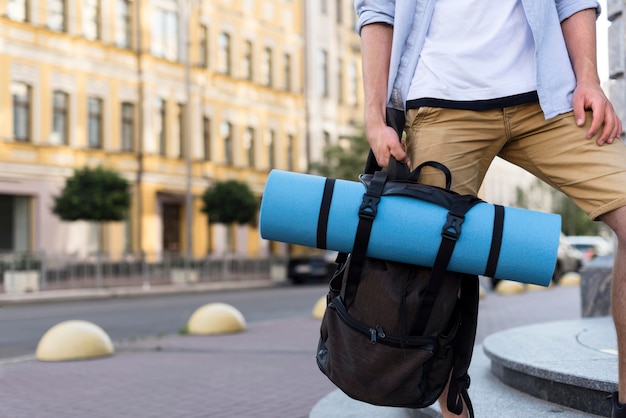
(452, 228)
(368, 208)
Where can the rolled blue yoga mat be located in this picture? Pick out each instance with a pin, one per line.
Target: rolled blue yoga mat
(408, 230)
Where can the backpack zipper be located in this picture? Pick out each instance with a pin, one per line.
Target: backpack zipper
(377, 334)
(402, 314)
(378, 331)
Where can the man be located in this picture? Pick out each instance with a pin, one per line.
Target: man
(514, 78)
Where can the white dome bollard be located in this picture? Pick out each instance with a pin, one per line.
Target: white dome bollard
(319, 308)
(216, 318)
(74, 340)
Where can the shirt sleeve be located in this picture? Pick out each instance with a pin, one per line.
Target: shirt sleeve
(566, 8)
(374, 11)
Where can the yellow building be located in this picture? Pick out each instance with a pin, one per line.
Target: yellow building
(174, 95)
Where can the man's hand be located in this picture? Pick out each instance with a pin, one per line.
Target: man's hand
(589, 96)
(384, 143)
(579, 32)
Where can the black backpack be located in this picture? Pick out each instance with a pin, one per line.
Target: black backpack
(394, 334)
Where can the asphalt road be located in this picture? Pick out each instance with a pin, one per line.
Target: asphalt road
(22, 326)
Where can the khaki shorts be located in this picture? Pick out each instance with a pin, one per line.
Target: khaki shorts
(554, 150)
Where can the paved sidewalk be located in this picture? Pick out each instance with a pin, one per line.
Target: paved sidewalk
(268, 371)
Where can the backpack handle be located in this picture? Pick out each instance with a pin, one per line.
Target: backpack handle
(414, 176)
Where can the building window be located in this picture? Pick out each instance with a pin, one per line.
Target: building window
(340, 93)
(18, 10)
(290, 152)
(123, 24)
(161, 126)
(326, 139)
(267, 66)
(22, 98)
(323, 73)
(353, 83)
(271, 148)
(60, 104)
(57, 15)
(226, 130)
(247, 60)
(287, 71)
(224, 64)
(339, 11)
(128, 126)
(165, 29)
(91, 19)
(94, 124)
(203, 50)
(324, 6)
(249, 146)
(180, 122)
(206, 137)
(15, 223)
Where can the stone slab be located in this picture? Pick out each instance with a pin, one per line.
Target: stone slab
(571, 363)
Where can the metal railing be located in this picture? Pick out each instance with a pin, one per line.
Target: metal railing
(24, 272)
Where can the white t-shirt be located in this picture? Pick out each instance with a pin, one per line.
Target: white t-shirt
(476, 50)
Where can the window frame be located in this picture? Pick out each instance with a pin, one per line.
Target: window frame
(127, 126)
(22, 105)
(94, 18)
(60, 112)
(95, 122)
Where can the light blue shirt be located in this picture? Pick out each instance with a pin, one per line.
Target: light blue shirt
(411, 18)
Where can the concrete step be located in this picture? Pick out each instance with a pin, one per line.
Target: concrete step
(491, 399)
(572, 363)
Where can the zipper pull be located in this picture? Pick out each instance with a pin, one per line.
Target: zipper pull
(380, 331)
(373, 335)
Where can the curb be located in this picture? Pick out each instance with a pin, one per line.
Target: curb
(130, 292)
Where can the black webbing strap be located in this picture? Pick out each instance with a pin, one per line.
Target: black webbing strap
(449, 235)
(367, 213)
(464, 346)
(322, 221)
(496, 241)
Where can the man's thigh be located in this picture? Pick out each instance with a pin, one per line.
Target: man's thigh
(557, 151)
(464, 141)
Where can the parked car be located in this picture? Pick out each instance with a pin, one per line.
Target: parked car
(568, 259)
(590, 246)
(311, 267)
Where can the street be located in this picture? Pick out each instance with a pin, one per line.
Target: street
(21, 326)
(268, 371)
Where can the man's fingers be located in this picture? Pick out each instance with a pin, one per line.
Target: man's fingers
(597, 119)
(579, 111)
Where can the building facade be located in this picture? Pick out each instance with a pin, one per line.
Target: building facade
(333, 81)
(173, 94)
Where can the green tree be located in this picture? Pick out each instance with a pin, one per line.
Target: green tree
(344, 160)
(574, 220)
(98, 195)
(230, 202)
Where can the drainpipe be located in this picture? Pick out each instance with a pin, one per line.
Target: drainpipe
(140, 139)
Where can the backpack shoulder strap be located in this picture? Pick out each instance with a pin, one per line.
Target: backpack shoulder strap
(464, 347)
(449, 236)
(367, 213)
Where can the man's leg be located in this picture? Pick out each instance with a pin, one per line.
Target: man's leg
(444, 408)
(617, 221)
(464, 141)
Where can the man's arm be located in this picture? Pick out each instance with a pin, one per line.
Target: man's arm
(376, 42)
(579, 31)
